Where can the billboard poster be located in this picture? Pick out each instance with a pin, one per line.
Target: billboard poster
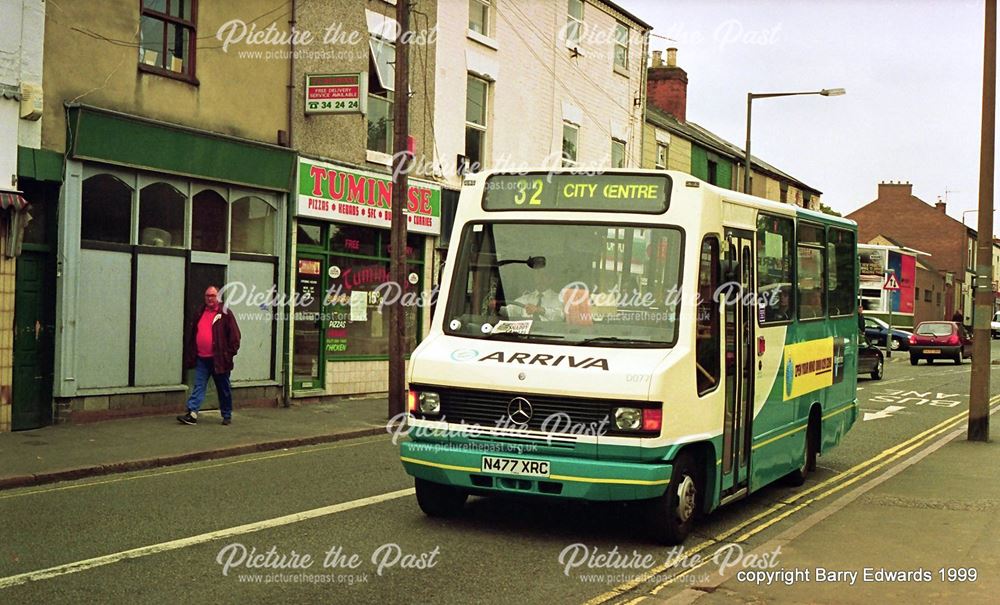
(905, 268)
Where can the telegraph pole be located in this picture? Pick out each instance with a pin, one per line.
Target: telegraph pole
(979, 391)
(397, 242)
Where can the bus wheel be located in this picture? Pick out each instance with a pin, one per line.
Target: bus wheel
(438, 500)
(672, 515)
(798, 476)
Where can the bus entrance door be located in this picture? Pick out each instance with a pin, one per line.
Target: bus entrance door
(740, 319)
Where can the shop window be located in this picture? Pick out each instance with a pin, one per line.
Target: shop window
(107, 210)
(208, 222)
(774, 267)
(253, 226)
(354, 239)
(476, 127)
(167, 39)
(161, 216)
(309, 234)
(358, 311)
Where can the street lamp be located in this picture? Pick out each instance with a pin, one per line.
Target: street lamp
(826, 92)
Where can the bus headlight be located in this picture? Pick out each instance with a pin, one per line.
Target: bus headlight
(628, 419)
(430, 402)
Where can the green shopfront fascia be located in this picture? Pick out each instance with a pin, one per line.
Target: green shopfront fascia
(153, 214)
(340, 327)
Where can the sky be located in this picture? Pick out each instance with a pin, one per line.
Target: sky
(913, 72)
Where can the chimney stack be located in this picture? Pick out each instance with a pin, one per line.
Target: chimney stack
(940, 205)
(666, 85)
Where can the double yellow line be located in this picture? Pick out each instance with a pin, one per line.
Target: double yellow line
(793, 504)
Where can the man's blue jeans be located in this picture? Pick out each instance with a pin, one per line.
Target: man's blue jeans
(203, 368)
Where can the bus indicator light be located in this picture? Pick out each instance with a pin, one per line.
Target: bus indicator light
(652, 420)
(411, 401)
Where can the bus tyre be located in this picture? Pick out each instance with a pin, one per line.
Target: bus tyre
(438, 500)
(671, 516)
(798, 476)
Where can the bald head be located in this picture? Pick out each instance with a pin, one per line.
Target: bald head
(212, 297)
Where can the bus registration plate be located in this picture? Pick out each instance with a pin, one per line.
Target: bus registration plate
(515, 466)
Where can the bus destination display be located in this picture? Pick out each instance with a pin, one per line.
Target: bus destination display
(641, 193)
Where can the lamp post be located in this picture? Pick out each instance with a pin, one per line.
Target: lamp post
(826, 92)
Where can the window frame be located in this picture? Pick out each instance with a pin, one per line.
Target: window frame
(483, 128)
(824, 286)
(656, 159)
(190, 76)
(619, 67)
(487, 11)
(384, 93)
(852, 299)
(792, 272)
(714, 321)
(575, 42)
(614, 142)
(575, 129)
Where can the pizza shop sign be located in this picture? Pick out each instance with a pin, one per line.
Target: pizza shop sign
(347, 195)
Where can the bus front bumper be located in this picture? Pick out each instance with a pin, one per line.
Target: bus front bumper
(577, 478)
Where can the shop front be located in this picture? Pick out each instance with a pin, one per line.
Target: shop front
(340, 326)
(152, 215)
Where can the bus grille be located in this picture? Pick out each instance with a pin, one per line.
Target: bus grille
(554, 413)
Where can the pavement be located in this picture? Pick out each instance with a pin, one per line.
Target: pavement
(73, 451)
(914, 537)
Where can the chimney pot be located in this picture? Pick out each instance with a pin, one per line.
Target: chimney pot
(671, 57)
(657, 58)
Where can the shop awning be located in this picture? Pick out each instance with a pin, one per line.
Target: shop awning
(12, 199)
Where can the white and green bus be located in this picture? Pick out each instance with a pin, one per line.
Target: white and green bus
(632, 335)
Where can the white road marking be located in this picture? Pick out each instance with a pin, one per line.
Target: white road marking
(135, 553)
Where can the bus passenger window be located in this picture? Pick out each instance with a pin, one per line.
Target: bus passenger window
(811, 276)
(774, 268)
(707, 322)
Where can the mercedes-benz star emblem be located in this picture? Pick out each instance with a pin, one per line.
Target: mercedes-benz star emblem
(519, 410)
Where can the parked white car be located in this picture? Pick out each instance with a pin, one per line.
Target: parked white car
(995, 325)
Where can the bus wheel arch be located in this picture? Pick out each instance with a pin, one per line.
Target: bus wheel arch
(811, 447)
(672, 515)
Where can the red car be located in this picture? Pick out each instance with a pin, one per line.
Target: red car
(940, 340)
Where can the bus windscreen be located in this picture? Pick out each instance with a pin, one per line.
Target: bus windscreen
(639, 193)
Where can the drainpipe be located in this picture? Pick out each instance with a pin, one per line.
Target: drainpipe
(291, 74)
(286, 351)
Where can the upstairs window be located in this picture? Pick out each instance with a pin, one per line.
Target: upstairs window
(661, 156)
(617, 153)
(168, 37)
(621, 46)
(571, 135)
(479, 16)
(574, 23)
(381, 82)
(476, 126)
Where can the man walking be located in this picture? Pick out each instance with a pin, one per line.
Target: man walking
(210, 345)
